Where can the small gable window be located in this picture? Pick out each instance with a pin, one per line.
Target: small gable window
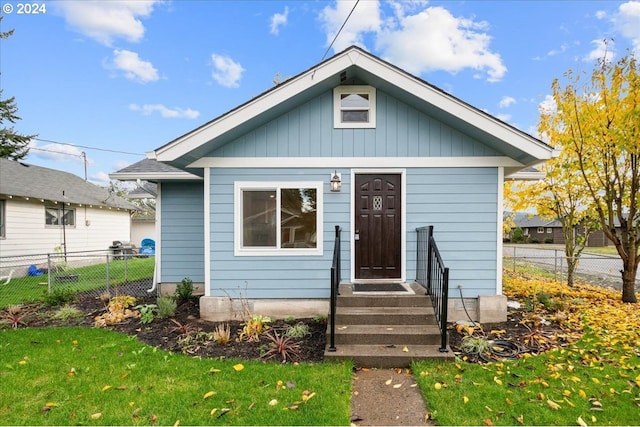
(354, 107)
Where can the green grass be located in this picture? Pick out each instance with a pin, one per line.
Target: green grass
(80, 372)
(603, 250)
(518, 392)
(33, 288)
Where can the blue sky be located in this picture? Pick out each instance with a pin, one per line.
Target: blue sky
(115, 79)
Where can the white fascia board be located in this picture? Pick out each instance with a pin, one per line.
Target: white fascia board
(155, 176)
(351, 162)
(231, 120)
(457, 108)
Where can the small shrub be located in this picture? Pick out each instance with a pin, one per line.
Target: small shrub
(298, 330)
(222, 334)
(182, 329)
(146, 313)
(117, 311)
(166, 307)
(254, 327)
(68, 312)
(320, 318)
(281, 345)
(59, 296)
(184, 290)
(191, 342)
(290, 319)
(474, 345)
(15, 315)
(548, 240)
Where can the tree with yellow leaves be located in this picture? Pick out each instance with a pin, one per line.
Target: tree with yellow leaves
(596, 124)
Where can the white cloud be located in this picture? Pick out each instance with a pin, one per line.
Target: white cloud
(105, 21)
(366, 18)
(226, 71)
(548, 105)
(627, 22)
(278, 20)
(507, 101)
(417, 38)
(165, 112)
(133, 67)
(603, 50)
(57, 152)
(434, 39)
(601, 14)
(101, 179)
(504, 117)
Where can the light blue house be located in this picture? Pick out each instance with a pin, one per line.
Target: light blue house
(245, 205)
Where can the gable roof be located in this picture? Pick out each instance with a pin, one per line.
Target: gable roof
(18, 179)
(354, 64)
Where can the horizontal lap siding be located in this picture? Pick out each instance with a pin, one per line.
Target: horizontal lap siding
(461, 204)
(182, 212)
(271, 276)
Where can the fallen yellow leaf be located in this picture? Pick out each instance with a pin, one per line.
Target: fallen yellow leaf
(405, 349)
(397, 385)
(465, 399)
(208, 394)
(273, 402)
(239, 367)
(388, 382)
(497, 380)
(105, 388)
(96, 416)
(437, 386)
(306, 397)
(176, 424)
(553, 405)
(214, 370)
(213, 411)
(581, 422)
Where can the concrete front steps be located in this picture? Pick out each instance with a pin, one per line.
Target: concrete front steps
(375, 328)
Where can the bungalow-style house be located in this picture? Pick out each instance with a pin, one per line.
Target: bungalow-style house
(248, 203)
(539, 230)
(41, 209)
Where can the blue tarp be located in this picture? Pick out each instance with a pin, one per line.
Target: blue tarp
(148, 247)
(34, 271)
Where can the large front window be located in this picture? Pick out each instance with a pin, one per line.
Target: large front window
(278, 218)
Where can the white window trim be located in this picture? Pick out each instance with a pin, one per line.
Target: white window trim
(60, 209)
(337, 116)
(549, 230)
(239, 186)
(540, 230)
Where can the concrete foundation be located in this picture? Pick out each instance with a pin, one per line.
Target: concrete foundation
(167, 289)
(219, 309)
(484, 309)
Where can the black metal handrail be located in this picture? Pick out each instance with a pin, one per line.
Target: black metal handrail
(434, 276)
(335, 283)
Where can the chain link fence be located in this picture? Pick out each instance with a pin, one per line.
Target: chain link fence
(33, 277)
(596, 269)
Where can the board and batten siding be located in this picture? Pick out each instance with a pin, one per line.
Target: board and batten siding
(27, 234)
(461, 203)
(401, 131)
(182, 245)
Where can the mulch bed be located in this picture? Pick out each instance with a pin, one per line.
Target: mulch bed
(162, 333)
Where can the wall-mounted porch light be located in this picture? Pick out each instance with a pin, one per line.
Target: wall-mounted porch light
(336, 181)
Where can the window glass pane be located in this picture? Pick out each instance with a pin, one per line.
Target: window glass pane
(354, 100)
(298, 218)
(69, 216)
(259, 218)
(51, 216)
(359, 116)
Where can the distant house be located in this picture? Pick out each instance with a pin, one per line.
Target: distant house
(143, 222)
(248, 203)
(41, 209)
(538, 230)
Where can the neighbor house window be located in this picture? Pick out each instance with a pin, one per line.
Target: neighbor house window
(354, 107)
(278, 218)
(57, 216)
(549, 230)
(3, 219)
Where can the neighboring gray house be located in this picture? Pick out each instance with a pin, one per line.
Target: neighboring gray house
(538, 230)
(43, 208)
(245, 205)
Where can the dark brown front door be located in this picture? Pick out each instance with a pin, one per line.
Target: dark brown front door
(378, 226)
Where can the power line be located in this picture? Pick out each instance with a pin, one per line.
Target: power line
(340, 30)
(84, 146)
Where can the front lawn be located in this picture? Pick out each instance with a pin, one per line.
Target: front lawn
(89, 376)
(592, 381)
